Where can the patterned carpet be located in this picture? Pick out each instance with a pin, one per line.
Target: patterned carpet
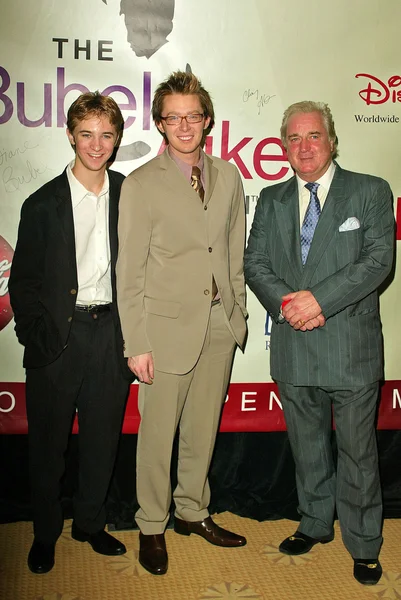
(197, 570)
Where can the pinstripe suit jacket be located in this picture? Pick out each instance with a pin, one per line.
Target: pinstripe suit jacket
(343, 271)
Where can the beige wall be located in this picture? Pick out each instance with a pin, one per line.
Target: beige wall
(255, 57)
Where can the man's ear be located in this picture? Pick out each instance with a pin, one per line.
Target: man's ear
(160, 127)
(207, 121)
(118, 139)
(70, 137)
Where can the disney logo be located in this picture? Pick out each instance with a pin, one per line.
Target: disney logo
(379, 92)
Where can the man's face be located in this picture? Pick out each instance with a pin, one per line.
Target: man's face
(94, 139)
(184, 139)
(309, 149)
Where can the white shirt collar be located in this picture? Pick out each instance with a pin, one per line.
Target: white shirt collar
(79, 191)
(324, 181)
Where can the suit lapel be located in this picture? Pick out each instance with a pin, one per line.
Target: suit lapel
(211, 174)
(114, 196)
(64, 213)
(287, 218)
(329, 221)
(174, 179)
(113, 219)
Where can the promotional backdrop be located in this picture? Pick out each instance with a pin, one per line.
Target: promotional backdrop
(256, 58)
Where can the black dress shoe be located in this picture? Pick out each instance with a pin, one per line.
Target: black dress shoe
(101, 541)
(210, 532)
(300, 543)
(41, 557)
(153, 553)
(367, 570)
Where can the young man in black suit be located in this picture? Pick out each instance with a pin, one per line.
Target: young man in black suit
(63, 294)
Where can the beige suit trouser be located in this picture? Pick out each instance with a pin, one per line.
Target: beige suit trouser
(194, 402)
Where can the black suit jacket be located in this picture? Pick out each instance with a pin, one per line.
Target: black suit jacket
(43, 282)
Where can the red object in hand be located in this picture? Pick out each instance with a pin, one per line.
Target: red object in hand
(284, 303)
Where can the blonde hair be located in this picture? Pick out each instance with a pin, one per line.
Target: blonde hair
(186, 84)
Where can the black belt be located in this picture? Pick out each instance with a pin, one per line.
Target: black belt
(215, 302)
(93, 308)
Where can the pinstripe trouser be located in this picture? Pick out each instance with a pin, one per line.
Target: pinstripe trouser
(353, 488)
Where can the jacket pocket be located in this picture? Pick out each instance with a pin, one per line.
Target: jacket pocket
(163, 308)
(364, 311)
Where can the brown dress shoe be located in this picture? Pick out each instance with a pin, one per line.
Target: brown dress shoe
(153, 553)
(210, 532)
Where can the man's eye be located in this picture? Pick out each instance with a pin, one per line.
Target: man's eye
(194, 118)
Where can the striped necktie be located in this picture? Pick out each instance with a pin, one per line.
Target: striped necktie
(197, 183)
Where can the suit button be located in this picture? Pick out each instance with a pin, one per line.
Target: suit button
(69, 319)
(73, 291)
(206, 292)
(210, 249)
(205, 207)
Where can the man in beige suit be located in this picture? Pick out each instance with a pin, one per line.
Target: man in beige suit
(182, 305)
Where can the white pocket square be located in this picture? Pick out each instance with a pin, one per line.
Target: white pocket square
(350, 224)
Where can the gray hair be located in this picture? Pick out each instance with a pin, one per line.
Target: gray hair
(308, 106)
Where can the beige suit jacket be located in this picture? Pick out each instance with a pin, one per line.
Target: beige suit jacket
(170, 246)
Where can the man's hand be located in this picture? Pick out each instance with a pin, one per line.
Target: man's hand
(318, 321)
(303, 311)
(142, 367)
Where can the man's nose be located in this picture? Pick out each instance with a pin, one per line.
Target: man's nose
(184, 125)
(96, 143)
(304, 145)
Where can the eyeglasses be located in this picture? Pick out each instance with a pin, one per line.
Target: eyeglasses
(176, 120)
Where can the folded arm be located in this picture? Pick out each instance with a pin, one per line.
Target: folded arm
(358, 279)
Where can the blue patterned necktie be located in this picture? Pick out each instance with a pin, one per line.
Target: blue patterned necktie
(310, 221)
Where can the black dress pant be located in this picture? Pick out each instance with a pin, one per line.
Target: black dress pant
(87, 378)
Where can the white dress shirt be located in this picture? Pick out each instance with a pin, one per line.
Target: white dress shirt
(322, 191)
(92, 247)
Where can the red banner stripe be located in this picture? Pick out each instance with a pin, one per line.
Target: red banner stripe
(248, 407)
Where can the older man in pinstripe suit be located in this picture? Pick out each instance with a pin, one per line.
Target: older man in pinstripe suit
(321, 244)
